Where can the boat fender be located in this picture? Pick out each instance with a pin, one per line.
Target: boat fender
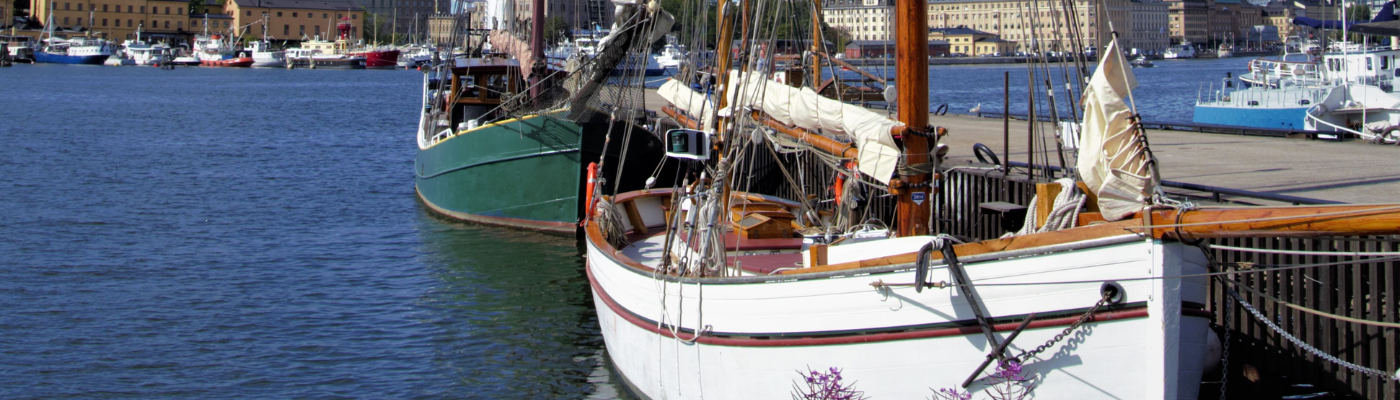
(588, 192)
(981, 150)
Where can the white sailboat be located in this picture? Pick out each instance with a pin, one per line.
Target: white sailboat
(705, 291)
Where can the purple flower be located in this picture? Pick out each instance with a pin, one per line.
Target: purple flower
(825, 386)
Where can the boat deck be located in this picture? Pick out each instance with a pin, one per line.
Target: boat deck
(756, 257)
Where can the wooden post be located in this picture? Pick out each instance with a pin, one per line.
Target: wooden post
(816, 255)
(911, 38)
(1045, 194)
(1005, 133)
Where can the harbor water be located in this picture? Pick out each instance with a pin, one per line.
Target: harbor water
(246, 233)
(237, 233)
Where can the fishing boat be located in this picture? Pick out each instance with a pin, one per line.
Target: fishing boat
(264, 56)
(78, 50)
(504, 143)
(321, 54)
(213, 51)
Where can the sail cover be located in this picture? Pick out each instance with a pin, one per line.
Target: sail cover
(877, 154)
(504, 42)
(1113, 162)
(688, 100)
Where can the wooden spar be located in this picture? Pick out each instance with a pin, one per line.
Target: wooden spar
(680, 117)
(862, 72)
(1341, 220)
(911, 62)
(823, 143)
(816, 43)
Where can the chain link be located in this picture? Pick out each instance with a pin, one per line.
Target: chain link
(1305, 346)
(1225, 351)
(1027, 355)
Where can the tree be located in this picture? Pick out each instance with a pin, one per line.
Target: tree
(556, 30)
(693, 17)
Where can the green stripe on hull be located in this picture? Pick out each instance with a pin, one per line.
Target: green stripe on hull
(522, 172)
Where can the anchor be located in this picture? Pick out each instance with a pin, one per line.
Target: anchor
(974, 301)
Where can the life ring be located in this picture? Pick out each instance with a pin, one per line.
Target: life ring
(941, 110)
(984, 154)
(588, 192)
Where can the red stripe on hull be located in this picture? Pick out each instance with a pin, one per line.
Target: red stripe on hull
(241, 62)
(553, 227)
(379, 59)
(1130, 313)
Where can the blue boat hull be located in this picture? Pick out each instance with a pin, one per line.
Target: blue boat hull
(45, 57)
(1273, 118)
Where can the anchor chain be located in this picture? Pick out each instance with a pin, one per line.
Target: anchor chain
(1027, 355)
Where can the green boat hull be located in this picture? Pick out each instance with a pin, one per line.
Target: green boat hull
(522, 173)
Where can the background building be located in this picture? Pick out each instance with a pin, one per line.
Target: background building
(1034, 26)
(1149, 21)
(293, 20)
(864, 20)
(117, 19)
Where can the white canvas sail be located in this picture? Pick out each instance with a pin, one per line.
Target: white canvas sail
(878, 156)
(1113, 162)
(690, 101)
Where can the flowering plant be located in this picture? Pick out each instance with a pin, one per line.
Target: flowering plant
(1009, 383)
(825, 386)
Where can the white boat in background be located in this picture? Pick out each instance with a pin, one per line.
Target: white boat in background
(1183, 50)
(670, 57)
(20, 47)
(413, 56)
(264, 56)
(1225, 51)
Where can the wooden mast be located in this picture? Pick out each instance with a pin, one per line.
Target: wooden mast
(817, 44)
(911, 62)
(536, 47)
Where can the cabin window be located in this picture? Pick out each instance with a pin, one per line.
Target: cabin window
(1385, 63)
(495, 86)
(1368, 64)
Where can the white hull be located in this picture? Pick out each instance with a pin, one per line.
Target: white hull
(896, 343)
(269, 59)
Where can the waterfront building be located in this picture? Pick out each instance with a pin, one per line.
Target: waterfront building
(864, 20)
(117, 19)
(971, 42)
(293, 20)
(1188, 20)
(1149, 20)
(886, 49)
(398, 15)
(1034, 26)
(577, 14)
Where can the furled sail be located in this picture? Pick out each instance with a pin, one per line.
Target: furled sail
(877, 156)
(1113, 160)
(690, 101)
(504, 42)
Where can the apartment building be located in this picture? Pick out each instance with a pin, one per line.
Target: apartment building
(1034, 26)
(1150, 21)
(864, 20)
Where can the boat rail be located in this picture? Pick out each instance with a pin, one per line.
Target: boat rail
(1315, 119)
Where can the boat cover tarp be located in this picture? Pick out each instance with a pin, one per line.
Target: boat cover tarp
(1113, 160)
(690, 101)
(877, 155)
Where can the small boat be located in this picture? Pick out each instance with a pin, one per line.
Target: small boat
(1142, 62)
(413, 56)
(1183, 50)
(264, 56)
(670, 57)
(19, 48)
(1225, 51)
